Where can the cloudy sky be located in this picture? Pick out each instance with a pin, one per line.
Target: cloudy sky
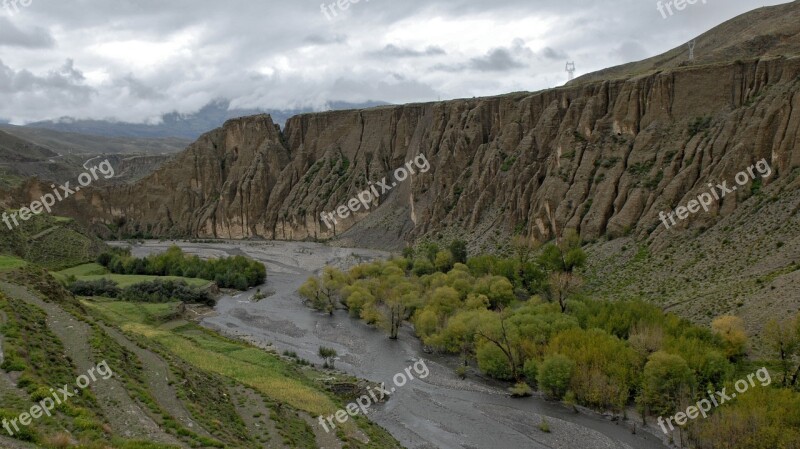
(133, 60)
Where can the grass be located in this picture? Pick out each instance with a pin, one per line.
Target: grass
(11, 262)
(253, 367)
(88, 269)
(94, 272)
(126, 280)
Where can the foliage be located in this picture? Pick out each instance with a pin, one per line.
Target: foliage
(524, 320)
(731, 329)
(160, 291)
(520, 390)
(102, 287)
(328, 355)
(236, 272)
(555, 375)
(667, 379)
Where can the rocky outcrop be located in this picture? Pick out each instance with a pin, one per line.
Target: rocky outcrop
(603, 158)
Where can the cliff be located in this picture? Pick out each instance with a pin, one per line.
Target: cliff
(603, 157)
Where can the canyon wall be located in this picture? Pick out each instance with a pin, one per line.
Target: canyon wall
(602, 157)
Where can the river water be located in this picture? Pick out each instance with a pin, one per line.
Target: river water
(440, 411)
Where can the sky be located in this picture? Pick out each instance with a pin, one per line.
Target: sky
(134, 60)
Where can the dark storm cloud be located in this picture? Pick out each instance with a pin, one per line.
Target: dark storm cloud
(134, 60)
(393, 51)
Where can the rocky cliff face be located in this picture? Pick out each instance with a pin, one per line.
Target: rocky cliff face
(602, 157)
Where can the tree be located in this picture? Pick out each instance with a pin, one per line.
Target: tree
(555, 375)
(423, 266)
(665, 380)
(731, 329)
(401, 296)
(561, 260)
(328, 355)
(310, 290)
(561, 286)
(783, 338)
(323, 293)
(444, 261)
(524, 247)
(504, 336)
(566, 255)
(458, 248)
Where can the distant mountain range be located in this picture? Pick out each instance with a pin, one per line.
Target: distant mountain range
(184, 126)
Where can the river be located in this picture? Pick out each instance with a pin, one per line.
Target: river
(440, 411)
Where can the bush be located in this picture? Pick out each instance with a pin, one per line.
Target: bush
(423, 266)
(555, 375)
(101, 287)
(530, 370)
(159, 291)
(231, 272)
(493, 362)
(520, 390)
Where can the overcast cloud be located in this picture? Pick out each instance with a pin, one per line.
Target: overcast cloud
(134, 60)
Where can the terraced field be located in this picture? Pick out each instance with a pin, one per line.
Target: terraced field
(175, 384)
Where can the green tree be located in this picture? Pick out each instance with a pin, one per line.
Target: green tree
(423, 266)
(555, 375)
(666, 380)
(499, 331)
(458, 248)
(783, 339)
(731, 329)
(444, 261)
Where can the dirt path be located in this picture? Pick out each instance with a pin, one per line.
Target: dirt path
(157, 376)
(256, 416)
(123, 414)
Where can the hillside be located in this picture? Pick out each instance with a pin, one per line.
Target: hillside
(76, 143)
(174, 125)
(53, 156)
(766, 32)
(166, 382)
(51, 242)
(603, 157)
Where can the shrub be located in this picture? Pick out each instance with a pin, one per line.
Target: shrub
(101, 287)
(423, 266)
(328, 355)
(530, 370)
(159, 291)
(493, 362)
(231, 272)
(520, 390)
(555, 375)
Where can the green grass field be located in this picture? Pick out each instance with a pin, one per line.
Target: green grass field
(251, 366)
(93, 272)
(10, 262)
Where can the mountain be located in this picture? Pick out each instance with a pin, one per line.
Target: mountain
(173, 124)
(604, 157)
(54, 156)
(763, 33)
(74, 143)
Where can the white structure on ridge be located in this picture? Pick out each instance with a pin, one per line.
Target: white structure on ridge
(571, 70)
